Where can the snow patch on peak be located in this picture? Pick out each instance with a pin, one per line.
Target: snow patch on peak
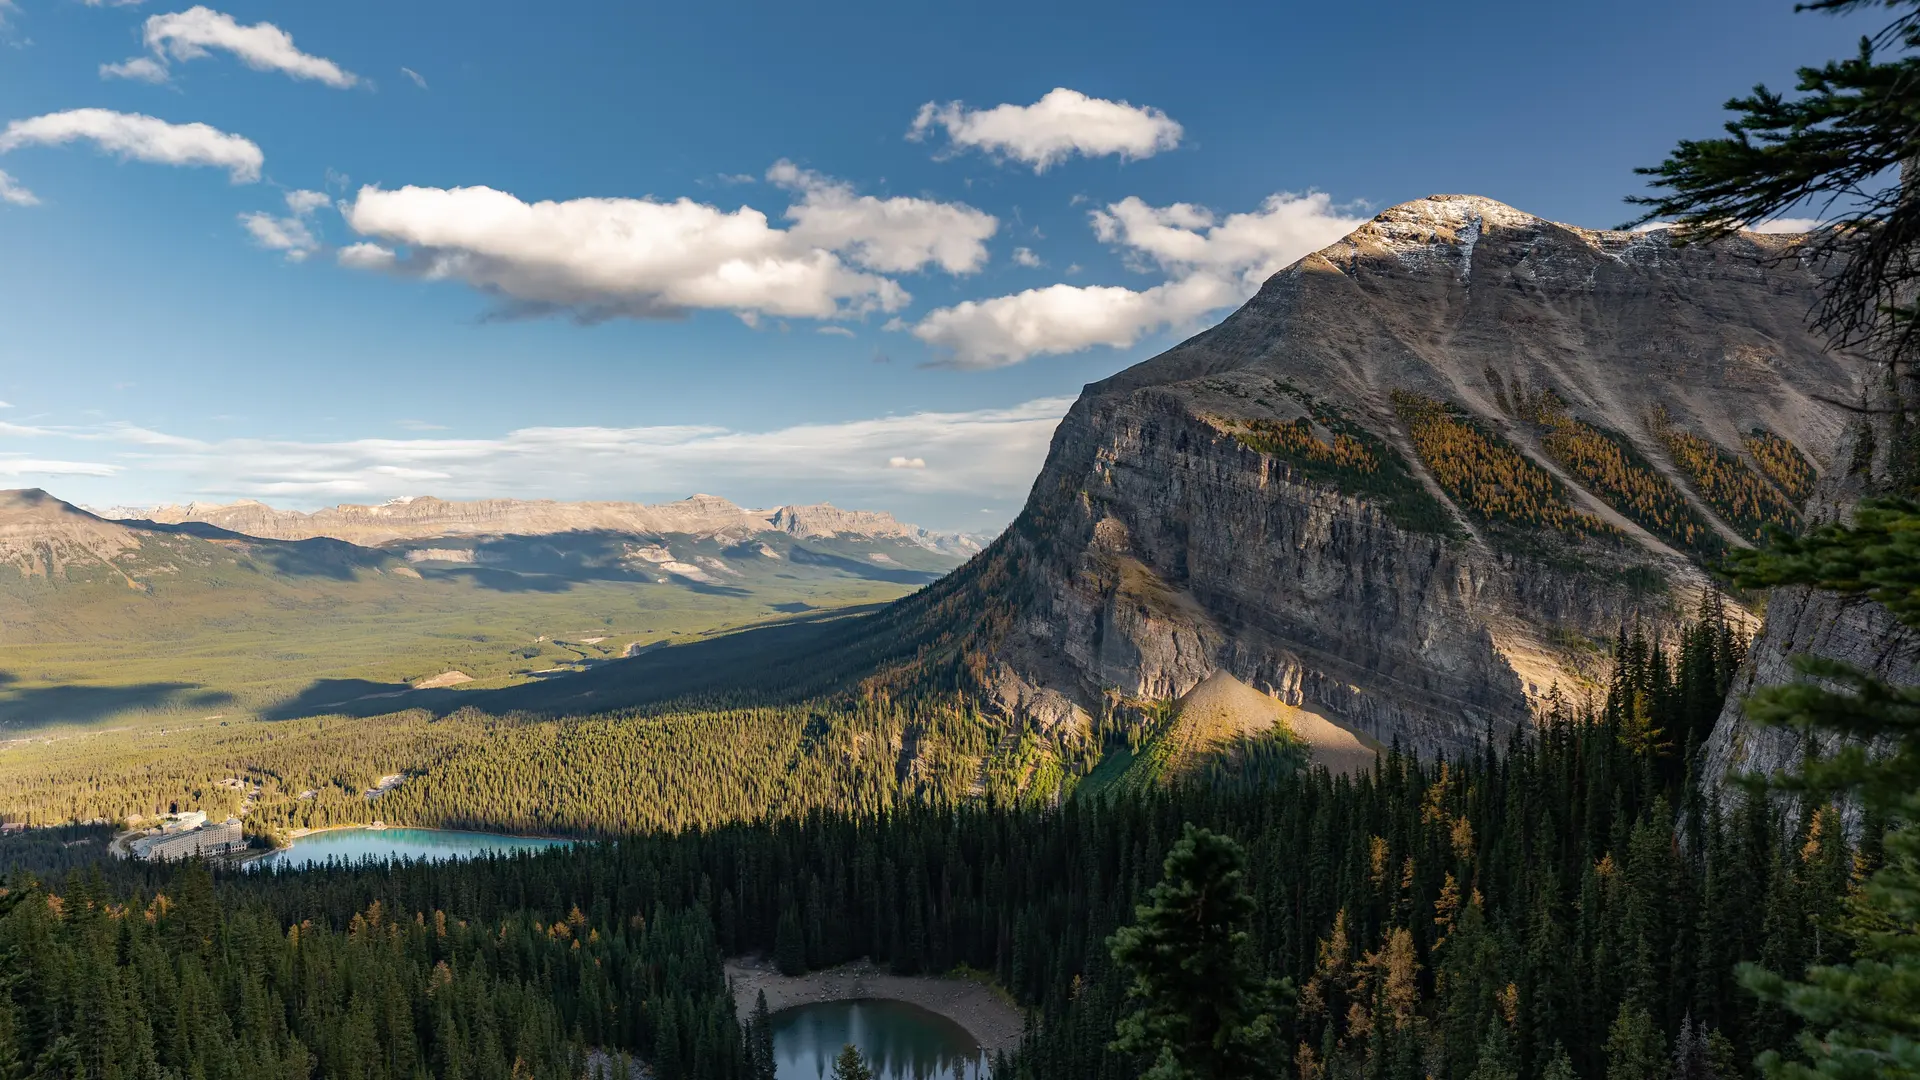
(1469, 237)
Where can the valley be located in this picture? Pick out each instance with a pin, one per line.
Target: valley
(190, 622)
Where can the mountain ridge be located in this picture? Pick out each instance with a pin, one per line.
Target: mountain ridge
(1194, 513)
(427, 517)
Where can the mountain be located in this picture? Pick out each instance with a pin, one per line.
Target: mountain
(1422, 476)
(58, 543)
(1415, 485)
(40, 535)
(425, 517)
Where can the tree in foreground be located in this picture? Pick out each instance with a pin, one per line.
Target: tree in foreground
(1840, 147)
(1862, 1017)
(1836, 145)
(851, 1065)
(1202, 1013)
(759, 1036)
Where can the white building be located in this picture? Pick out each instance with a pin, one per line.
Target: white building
(177, 843)
(187, 819)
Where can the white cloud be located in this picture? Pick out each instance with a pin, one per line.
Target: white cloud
(985, 453)
(138, 68)
(1183, 238)
(1063, 319)
(12, 192)
(288, 234)
(140, 138)
(13, 466)
(293, 233)
(139, 436)
(1784, 225)
(111, 3)
(837, 331)
(600, 258)
(6, 405)
(1025, 257)
(306, 202)
(1063, 123)
(367, 257)
(896, 235)
(1789, 225)
(418, 79)
(1210, 263)
(605, 257)
(195, 33)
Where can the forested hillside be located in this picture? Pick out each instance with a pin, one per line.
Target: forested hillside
(1568, 904)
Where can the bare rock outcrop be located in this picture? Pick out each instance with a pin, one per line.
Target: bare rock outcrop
(1805, 622)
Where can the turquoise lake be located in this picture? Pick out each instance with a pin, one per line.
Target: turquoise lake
(900, 1041)
(436, 845)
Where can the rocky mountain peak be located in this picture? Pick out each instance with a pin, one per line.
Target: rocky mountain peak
(41, 534)
(1420, 478)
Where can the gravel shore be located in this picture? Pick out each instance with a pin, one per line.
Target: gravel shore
(993, 1021)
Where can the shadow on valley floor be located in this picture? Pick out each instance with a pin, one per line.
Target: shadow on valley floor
(780, 660)
(554, 563)
(325, 696)
(506, 581)
(317, 557)
(809, 557)
(27, 708)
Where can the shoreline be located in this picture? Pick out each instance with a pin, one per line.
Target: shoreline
(382, 826)
(976, 1005)
(301, 834)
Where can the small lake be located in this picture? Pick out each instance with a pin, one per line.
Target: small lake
(435, 845)
(901, 1041)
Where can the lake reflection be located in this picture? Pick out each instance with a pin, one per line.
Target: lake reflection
(901, 1041)
(434, 845)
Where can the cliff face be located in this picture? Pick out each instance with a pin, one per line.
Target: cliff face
(1391, 486)
(1801, 621)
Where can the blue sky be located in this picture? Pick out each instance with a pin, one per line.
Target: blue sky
(595, 250)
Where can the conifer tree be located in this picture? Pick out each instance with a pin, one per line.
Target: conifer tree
(1635, 1048)
(851, 1065)
(1496, 1056)
(1202, 1012)
(760, 1057)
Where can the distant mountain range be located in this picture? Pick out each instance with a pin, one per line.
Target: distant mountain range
(270, 612)
(426, 517)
